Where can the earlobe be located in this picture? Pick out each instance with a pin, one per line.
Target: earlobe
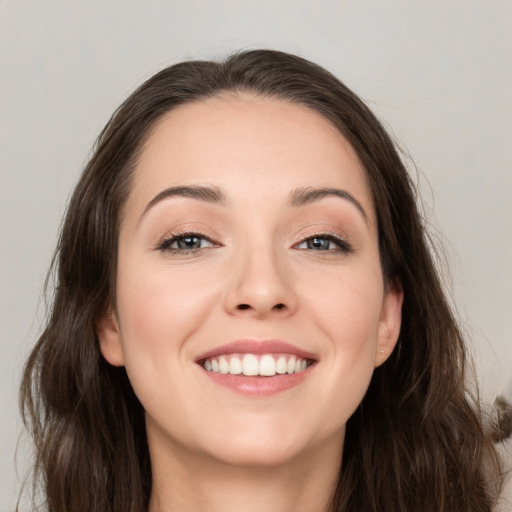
(389, 323)
(109, 337)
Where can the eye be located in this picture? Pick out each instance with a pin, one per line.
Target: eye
(325, 242)
(185, 243)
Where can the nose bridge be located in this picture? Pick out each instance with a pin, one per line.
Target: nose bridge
(260, 281)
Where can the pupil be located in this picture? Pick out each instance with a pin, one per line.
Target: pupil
(319, 243)
(189, 242)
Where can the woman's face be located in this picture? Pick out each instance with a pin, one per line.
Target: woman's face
(248, 243)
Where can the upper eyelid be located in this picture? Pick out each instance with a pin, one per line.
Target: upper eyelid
(178, 233)
(325, 234)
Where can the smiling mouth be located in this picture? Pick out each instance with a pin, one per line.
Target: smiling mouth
(252, 365)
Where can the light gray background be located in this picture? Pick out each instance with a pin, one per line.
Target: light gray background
(438, 72)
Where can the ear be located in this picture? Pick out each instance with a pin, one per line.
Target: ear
(109, 336)
(389, 322)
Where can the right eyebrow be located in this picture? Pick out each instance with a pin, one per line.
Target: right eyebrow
(206, 193)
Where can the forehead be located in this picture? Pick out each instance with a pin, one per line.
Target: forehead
(256, 148)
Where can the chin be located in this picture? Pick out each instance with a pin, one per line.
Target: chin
(272, 445)
(262, 453)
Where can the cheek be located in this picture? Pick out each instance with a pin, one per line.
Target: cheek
(159, 310)
(347, 312)
(347, 306)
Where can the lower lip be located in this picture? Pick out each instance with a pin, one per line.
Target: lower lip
(258, 385)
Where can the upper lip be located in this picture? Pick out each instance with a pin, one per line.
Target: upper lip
(252, 346)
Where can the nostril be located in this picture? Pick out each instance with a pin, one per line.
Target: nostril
(248, 306)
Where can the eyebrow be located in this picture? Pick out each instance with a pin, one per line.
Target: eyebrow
(308, 195)
(207, 193)
(216, 195)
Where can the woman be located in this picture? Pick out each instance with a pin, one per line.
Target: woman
(247, 315)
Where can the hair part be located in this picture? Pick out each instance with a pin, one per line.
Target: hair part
(417, 440)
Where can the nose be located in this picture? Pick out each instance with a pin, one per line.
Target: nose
(260, 286)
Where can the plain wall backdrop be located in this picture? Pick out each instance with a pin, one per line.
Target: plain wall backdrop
(439, 73)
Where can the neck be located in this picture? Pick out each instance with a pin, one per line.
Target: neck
(185, 482)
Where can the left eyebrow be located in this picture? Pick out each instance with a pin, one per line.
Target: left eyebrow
(308, 195)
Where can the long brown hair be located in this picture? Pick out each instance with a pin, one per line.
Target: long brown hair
(416, 442)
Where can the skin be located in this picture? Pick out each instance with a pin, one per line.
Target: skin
(255, 276)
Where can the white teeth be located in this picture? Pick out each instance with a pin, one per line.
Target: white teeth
(235, 366)
(223, 365)
(266, 365)
(290, 367)
(281, 365)
(250, 365)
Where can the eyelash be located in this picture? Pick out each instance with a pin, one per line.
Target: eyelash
(165, 245)
(343, 245)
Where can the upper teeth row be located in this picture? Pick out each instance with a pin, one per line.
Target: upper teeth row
(249, 364)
